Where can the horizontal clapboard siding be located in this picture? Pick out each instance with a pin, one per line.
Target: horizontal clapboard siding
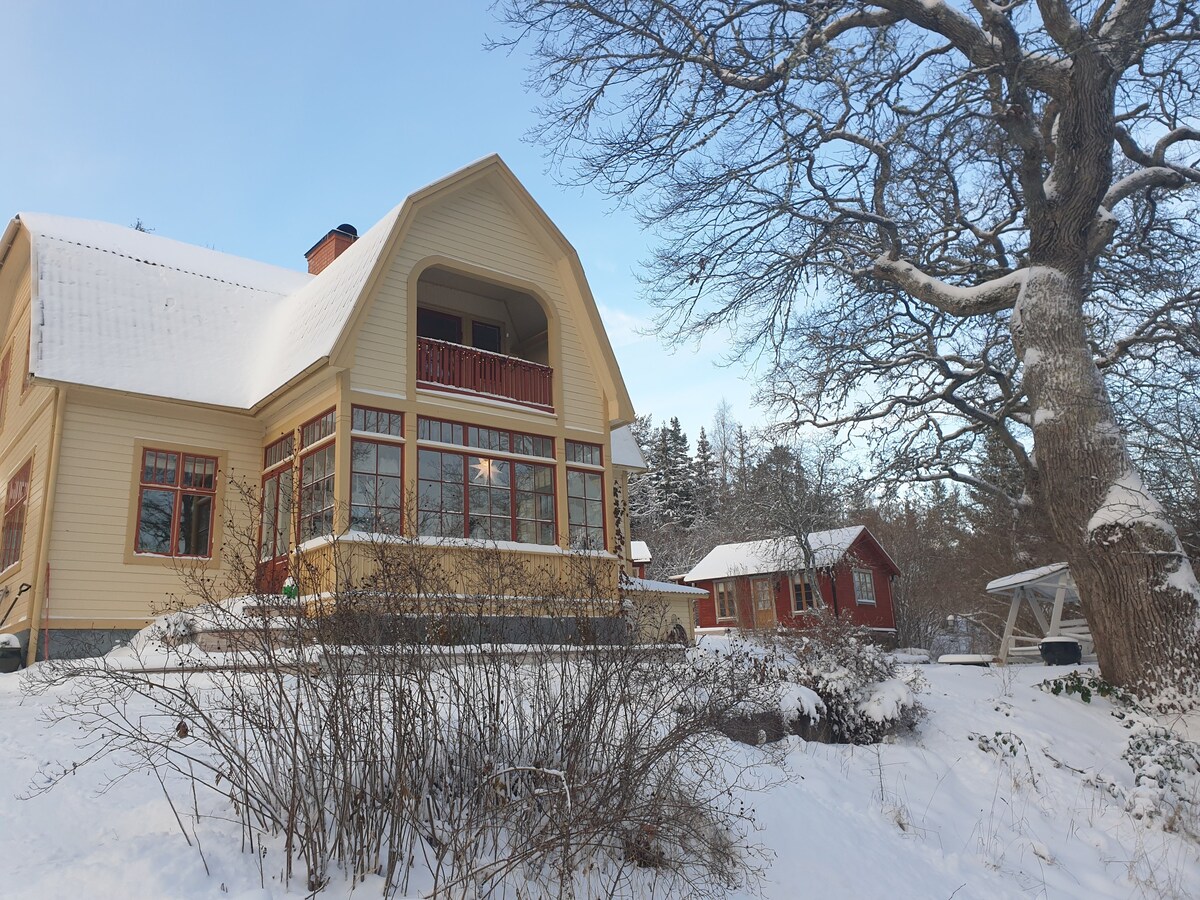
(90, 577)
(476, 225)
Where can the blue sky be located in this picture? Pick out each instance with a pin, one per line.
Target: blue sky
(254, 127)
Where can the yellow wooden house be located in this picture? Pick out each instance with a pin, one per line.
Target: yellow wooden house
(443, 376)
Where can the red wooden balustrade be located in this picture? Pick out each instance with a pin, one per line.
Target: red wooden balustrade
(455, 367)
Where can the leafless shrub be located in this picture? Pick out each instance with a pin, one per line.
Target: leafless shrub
(388, 731)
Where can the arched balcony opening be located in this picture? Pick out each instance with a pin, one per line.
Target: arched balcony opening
(477, 337)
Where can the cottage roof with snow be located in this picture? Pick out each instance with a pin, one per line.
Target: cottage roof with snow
(783, 554)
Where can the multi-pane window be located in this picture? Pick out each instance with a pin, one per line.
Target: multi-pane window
(489, 498)
(375, 486)
(585, 509)
(586, 454)
(318, 429)
(377, 421)
(316, 492)
(441, 431)
(484, 497)
(535, 503)
(864, 587)
(176, 503)
(761, 590)
(441, 326)
(440, 493)
(279, 451)
(723, 591)
(804, 595)
(14, 516)
(494, 439)
(277, 514)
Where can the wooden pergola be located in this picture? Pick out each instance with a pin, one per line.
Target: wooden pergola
(1048, 585)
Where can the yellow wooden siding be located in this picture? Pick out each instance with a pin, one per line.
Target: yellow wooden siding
(25, 435)
(92, 528)
(478, 227)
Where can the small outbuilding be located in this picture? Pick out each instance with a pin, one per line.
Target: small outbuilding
(764, 584)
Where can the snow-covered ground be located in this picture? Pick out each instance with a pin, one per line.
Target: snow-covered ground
(1004, 791)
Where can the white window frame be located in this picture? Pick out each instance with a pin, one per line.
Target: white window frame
(729, 589)
(814, 585)
(869, 576)
(758, 597)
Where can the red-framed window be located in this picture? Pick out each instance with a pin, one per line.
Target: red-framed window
(584, 454)
(377, 421)
(585, 509)
(15, 502)
(493, 439)
(482, 497)
(318, 429)
(376, 492)
(276, 514)
(316, 492)
(277, 452)
(177, 499)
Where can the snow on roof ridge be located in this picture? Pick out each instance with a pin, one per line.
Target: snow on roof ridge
(42, 223)
(151, 262)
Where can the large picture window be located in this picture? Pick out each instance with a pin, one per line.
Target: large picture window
(585, 509)
(176, 503)
(469, 495)
(15, 501)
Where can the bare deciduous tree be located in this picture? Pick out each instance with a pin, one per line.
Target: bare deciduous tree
(946, 218)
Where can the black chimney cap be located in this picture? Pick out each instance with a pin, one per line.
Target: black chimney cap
(348, 230)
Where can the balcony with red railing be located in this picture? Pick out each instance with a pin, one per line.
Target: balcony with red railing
(456, 368)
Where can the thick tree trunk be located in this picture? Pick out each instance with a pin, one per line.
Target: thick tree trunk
(1135, 582)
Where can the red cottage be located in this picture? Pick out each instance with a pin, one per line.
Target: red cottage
(761, 584)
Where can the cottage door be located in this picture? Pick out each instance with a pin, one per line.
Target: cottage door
(276, 531)
(762, 600)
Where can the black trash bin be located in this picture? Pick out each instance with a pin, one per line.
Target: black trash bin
(10, 658)
(1060, 651)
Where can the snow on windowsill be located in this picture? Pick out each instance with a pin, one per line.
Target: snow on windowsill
(366, 537)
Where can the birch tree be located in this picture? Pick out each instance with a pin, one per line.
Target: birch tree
(944, 219)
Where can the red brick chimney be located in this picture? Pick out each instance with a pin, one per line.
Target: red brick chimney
(330, 247)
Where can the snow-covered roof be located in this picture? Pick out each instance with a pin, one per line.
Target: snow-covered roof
(639, 551)
(125, 310)
(1041, 582)
(662, 587)
(782, 554)
(625, 450)
(122, 309)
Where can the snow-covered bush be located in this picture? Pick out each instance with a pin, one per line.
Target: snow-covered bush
(865, 692)
(1165, 764)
